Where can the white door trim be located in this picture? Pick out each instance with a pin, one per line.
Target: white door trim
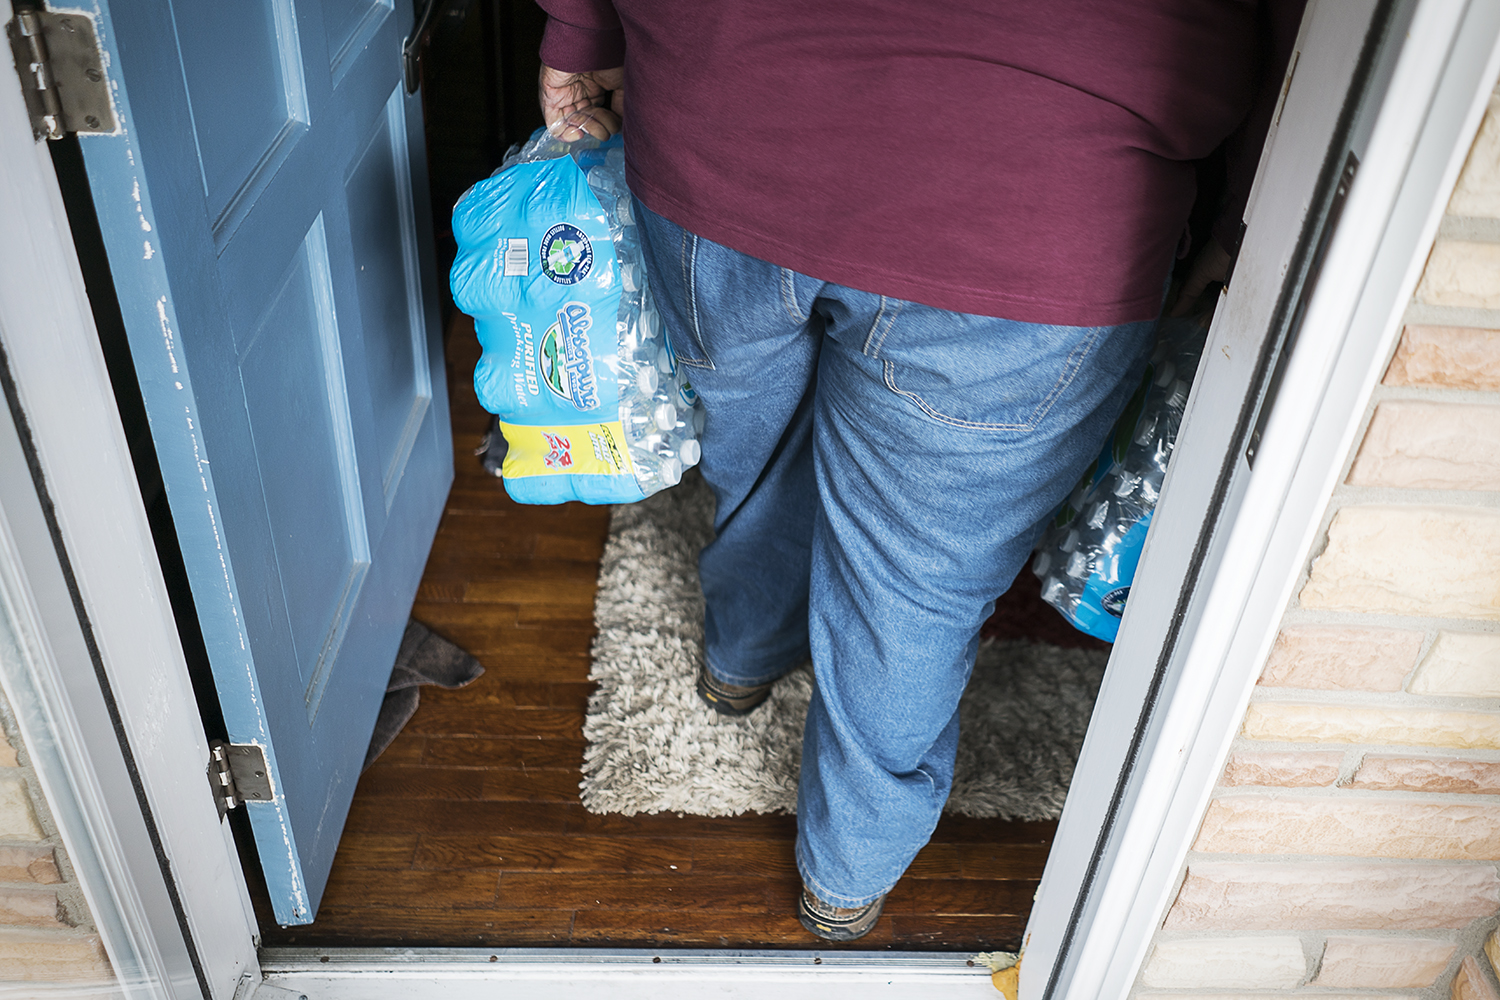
(144, 737)
(1410, 160)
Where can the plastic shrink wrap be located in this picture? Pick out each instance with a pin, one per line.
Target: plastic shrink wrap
(1087, 556)
(576, 365)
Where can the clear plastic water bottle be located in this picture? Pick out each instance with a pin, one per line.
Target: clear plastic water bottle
(1086, 559)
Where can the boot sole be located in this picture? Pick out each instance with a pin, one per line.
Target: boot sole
(724, 705)
(839, 930)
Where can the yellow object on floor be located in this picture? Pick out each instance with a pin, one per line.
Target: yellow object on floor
(1005, 970)
(1008, 981)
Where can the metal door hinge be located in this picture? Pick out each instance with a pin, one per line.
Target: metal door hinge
(238, 773)
(62, 72)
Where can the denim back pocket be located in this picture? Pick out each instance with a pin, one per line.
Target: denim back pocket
(986, 374)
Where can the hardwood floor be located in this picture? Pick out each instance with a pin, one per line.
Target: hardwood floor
(468, 830)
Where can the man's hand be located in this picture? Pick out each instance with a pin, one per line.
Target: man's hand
(575, 103)
(1210, 267)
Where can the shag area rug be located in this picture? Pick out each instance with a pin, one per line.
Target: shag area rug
(653, 746)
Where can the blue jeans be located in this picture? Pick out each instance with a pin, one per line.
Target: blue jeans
(881, 470)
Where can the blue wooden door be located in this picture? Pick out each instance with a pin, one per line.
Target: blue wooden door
(264, 209)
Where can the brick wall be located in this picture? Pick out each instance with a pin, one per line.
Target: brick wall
(46, 932)
(1351, 847)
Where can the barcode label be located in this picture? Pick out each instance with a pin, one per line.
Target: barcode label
(517, 257)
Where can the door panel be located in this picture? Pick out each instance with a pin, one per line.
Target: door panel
(388, 279)
(264, 209)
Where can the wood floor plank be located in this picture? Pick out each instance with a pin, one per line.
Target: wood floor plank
(406, 748)
(461, 547)
(674, 891)
(362, 849)
(541, 819)
(546, 784)
(443, 718)
(493, 584)
(492, 691)
(761, 858)
(961, 897)
(576, 548)
(506, 641)
(415, 890)
(401, 781)
(604, 855)
(936, 861)
(439, 616)
(372, 926)
(434, 591)
(987, 861)
(512, 752)
(988, 933)
(537, 668)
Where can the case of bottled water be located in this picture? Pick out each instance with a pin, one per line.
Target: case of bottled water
(576, 363)
(1087, 556)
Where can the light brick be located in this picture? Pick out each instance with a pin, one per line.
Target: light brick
(17, 821)
(1470, 984)
(1335, 658)
(1427, 774)
(1478, 190)
(1384, 962)
(51, 956)
(1492, 949)
(1463, 664)
(1291, 769)
(1463, 274)
(27, 907)
(29, 864)
(1447, 357)
(1237, 963)
(7, 752)
(1442, 562)
(1292, 722)
(1377, 828)
(1427, 445)
(1309, 895)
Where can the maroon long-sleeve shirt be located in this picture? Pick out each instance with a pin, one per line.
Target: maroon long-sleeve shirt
(1031, 159)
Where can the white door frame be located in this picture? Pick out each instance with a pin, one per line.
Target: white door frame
(1430, 101)
(115, 677)
(119, 600)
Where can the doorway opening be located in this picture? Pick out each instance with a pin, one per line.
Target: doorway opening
(442, 852)
(468, 831)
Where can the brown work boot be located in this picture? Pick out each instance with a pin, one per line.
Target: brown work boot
(837, 923)
(730, 699)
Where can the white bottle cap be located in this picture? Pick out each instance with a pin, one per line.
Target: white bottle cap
(665, 416)
(629, 277)
(650, 322)
(690, 451)
(664, 361)
(623, 211)
(671, 471)
(646, 379)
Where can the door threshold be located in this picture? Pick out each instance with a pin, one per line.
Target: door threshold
(619, 973)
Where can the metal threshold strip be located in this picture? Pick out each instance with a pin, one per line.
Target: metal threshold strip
(622, 974)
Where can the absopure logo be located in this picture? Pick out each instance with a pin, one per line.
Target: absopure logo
(564, 359)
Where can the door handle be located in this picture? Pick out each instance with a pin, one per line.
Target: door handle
(414, 43)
